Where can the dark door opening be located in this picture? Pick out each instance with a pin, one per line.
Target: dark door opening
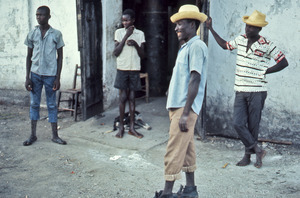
(89, 24)
(153, 18)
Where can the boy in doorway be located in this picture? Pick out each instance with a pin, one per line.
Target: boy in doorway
(129, 49)
(254, 53)
(43, 68)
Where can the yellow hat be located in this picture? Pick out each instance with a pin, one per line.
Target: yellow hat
(188, 12)
(256, 19)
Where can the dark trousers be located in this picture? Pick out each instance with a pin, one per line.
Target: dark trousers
(247, 115)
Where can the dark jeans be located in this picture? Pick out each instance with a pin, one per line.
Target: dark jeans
(247, 115)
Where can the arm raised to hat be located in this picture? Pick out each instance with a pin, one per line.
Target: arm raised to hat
(219, 40)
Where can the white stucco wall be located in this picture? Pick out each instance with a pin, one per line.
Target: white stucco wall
(112, 12)
(282, 112)
(17, 18)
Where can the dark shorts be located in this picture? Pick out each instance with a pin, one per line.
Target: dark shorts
(128, 80)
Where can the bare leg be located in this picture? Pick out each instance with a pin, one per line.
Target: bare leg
(32, 137)
(132, 130)
(190, 190)
(55, 137)
(168, 187)
(190, 179)
(122, 105)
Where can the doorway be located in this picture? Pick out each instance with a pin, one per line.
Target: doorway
(89, 24)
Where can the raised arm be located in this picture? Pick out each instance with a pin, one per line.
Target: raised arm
(192, 93)
(277, 67)
(119, 45)
(219, 40)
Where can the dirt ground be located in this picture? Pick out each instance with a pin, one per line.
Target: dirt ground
(96, 164)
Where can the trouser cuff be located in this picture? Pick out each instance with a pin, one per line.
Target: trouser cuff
(249, 151)
(252, 146)
(173, 177)
(189, 169)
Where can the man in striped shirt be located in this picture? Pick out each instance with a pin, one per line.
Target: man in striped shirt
(254, 53)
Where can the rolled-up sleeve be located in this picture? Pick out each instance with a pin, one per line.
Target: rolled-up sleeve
(196, 58)
(231, 45)
(59, 40)
(28, 41)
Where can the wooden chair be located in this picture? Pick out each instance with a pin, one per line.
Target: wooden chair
(145, 87)
(73, 102)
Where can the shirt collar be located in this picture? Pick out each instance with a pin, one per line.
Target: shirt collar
(134, 30)
(262, 40)
(191, 41)
(50, 28)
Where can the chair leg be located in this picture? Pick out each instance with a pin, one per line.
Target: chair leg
(76, 106)
(147, 89)
(72, 103)
(58, 101)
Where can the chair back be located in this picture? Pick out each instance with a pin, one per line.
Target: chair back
(77, 74)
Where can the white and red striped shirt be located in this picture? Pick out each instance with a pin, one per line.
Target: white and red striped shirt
(251, 66)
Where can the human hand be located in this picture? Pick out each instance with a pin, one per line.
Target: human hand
(129, 30)
(28, 85)
(208, 22)
(131, 43)
(56, 85)
(183, 123)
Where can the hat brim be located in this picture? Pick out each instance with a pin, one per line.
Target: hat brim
(188, 15)
(254, 23)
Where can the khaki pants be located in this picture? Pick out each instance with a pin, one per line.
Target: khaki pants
(180, 154)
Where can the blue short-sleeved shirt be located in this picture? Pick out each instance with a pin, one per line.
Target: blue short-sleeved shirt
(44, 59)
(192, 56)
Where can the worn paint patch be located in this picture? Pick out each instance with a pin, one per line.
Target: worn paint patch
(279, 6)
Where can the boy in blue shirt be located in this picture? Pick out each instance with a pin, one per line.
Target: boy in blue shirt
(43, 68)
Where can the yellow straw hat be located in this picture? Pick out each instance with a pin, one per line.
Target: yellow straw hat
(256, 19)
(188, 11)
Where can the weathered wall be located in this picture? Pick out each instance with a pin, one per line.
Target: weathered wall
(17, 18)
(112, 12)
(281, 116)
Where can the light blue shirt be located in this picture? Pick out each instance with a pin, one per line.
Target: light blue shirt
(44, 59)
(192, 56)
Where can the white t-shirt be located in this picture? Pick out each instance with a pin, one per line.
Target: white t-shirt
(129, 59)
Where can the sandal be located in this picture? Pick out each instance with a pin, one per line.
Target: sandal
(30, 141)
(59, 141)
(159, 195)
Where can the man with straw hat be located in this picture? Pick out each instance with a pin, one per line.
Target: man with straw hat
(252, 65)
(185, 97)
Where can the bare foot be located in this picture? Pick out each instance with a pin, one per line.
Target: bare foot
(259, 157)
(135, 133)
(245, 161)
(120, 133)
